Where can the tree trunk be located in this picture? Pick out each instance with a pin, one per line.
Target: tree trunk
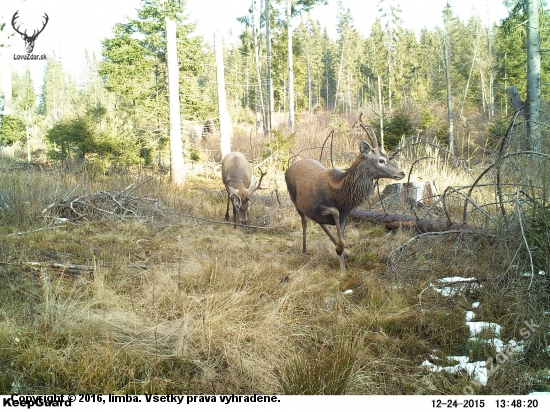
(469, 76)
(392, 221)
(290, 70)
(226, 129)
(271, 99)
(533, 77)
(515, 101)
(309, 98)
(340, 71)
(177, 166)
(449, 100)
(5, 74)
(259, 91)
(491, 79)
(381, 114)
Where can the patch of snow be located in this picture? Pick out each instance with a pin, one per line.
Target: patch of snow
(470, 315)
(475, 305)
(347, 292)
(454, 279)
(514, 346)
(446, 291)
(500, 346)
(476, 328)
(529, 274)
(538, 393)
(476, 369)
(458, 285)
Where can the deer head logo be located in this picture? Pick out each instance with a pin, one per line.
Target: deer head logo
(29, 40)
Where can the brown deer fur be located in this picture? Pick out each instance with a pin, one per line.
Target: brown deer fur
(327, 196)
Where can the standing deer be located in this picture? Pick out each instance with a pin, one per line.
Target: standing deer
(328, 195)
(237, 178)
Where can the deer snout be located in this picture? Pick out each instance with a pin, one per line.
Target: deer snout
(241, 207)
(399, 176)
(243, 217)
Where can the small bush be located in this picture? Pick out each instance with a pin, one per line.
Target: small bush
(76, 135)
(279, 147)
(400, 124)
(12, 130)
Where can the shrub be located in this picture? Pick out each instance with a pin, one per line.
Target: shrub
(12, 130)
(76, 135)
(279, 148)
(81, 136)
(400, 124)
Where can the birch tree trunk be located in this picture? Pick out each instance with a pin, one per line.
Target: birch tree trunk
(177, 166)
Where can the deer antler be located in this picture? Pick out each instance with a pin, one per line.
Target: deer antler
(369, 130)
(257, 185)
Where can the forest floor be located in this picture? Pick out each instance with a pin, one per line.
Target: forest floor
(166, 297)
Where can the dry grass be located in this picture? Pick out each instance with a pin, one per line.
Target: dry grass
(176, 304)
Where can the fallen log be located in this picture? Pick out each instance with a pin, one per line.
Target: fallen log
(394, 221)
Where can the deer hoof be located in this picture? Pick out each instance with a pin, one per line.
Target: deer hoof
(342, 253)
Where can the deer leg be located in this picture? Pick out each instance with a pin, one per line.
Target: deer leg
(340, 226)
(304, 227)
(336, 216)
(234, 217)
(330, 235)
(342, 264)
(227, 209)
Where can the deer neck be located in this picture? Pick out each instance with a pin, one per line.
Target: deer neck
(353, 185)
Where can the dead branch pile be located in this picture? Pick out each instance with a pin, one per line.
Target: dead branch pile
(495, 230)
(123, 205)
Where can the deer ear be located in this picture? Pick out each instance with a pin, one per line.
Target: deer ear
(236, 200)
(232, 191)
(364, 148)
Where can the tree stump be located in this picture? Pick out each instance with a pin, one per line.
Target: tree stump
(413, 194)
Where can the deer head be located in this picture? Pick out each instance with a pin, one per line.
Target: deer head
(29, 40)
(241, 198)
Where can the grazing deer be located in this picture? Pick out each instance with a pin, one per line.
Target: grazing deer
(237, 178)
(328, 195)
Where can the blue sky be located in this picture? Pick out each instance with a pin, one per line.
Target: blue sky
(78, 25)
